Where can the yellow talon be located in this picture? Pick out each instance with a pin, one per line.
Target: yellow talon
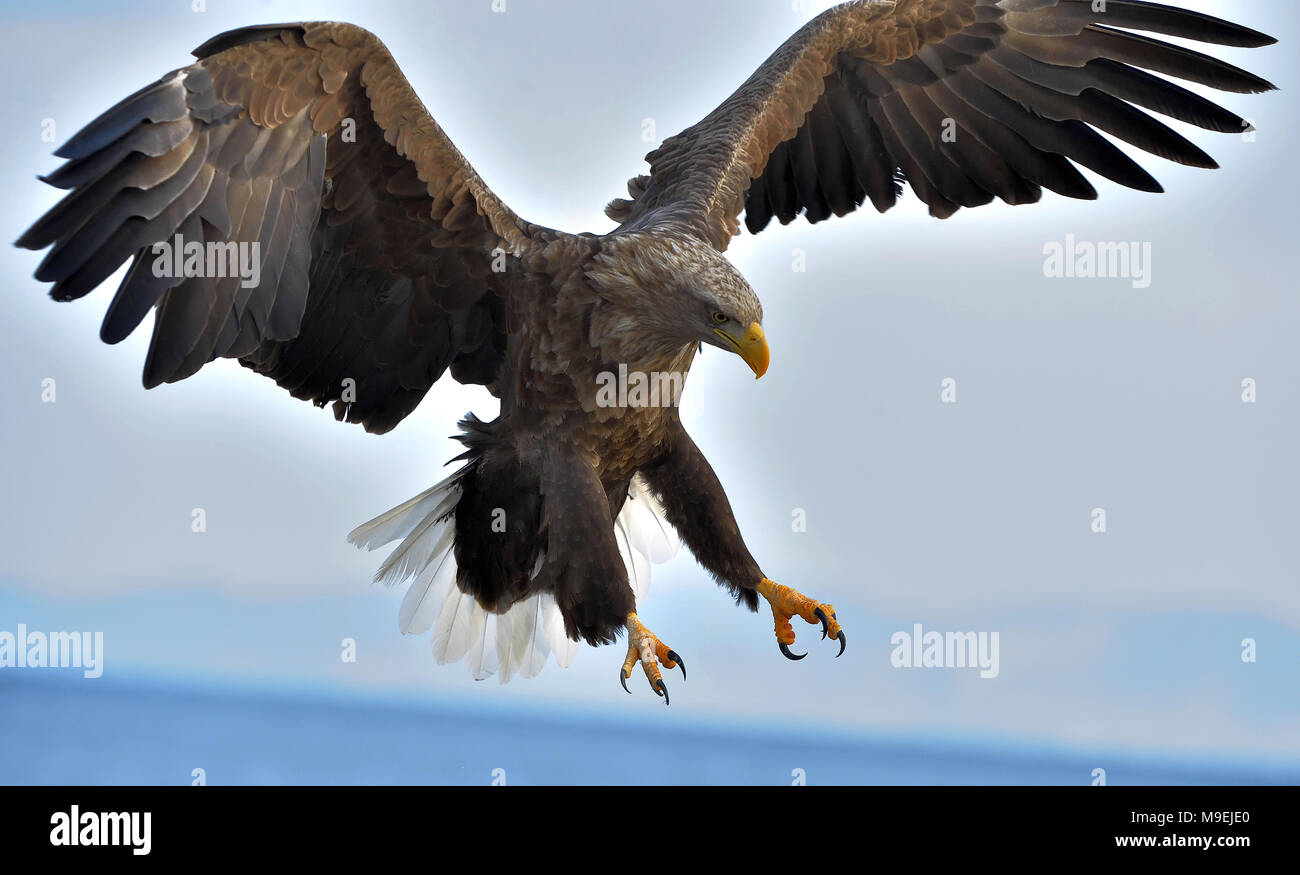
(787, 603)
(644, 647)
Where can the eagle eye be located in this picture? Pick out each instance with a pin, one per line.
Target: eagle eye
(721, 318)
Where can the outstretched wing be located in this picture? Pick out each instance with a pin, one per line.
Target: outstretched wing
(374, 237)
(965, 100)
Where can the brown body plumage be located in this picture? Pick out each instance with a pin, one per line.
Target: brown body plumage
(386, 261)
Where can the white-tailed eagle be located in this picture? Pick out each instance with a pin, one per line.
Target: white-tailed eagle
(381, 261)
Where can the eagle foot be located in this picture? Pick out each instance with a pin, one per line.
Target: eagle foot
(787, 603)
(644, 647)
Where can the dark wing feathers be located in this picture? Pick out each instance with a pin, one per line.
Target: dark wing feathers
(1070, 17)
(375, 236)
(964, 100)
(159, 102)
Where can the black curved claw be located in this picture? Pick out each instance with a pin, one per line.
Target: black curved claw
(843, 643)
(661, 689)
(826, 624)
(622, 679)
(672, 654)
(785, 651)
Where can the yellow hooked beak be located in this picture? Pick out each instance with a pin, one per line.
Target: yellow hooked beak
(751, 345)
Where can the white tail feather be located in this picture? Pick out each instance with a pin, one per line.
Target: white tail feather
(638, 567)
(401, 520)
(460, 624)
(427, 593)
(482, 656)
(648, 524)
(423, 545)
(520, 640)
(564, 647)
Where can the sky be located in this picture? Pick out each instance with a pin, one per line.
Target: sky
(1072, 395)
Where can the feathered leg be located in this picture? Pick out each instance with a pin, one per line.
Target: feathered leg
(697, 506)
(583, 567)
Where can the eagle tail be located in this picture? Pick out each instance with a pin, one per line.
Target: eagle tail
(644, 537)
(520, 640)
(401, 520)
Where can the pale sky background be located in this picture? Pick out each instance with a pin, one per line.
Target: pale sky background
(1072, 395)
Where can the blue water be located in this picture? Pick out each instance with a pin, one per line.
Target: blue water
(53, 732)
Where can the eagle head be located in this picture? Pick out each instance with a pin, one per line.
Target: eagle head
(659, 293)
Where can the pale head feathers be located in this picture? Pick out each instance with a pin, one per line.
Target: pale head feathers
(658, 292)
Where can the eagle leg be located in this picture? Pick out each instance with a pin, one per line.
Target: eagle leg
(644, 646)
(787, 603)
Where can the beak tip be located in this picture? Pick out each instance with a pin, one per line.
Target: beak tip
(752, 348)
